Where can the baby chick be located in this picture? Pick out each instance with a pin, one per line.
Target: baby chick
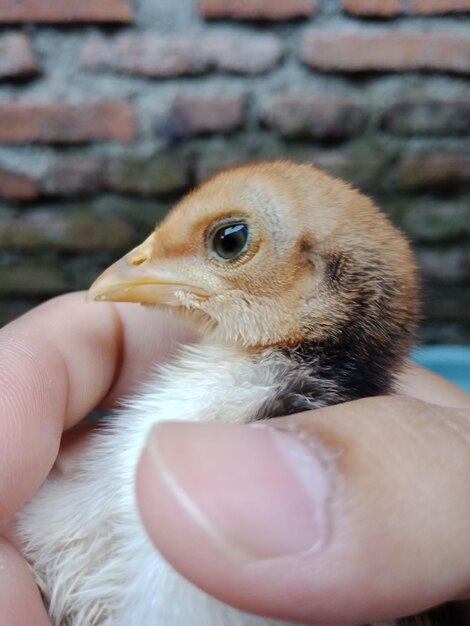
(305, 296)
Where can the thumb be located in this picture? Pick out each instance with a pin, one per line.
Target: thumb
(354, 513)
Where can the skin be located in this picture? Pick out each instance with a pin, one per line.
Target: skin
(67, 357)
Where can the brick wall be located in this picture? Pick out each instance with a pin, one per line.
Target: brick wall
(110, 110)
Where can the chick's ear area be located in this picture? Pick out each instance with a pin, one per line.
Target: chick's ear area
(335, 266)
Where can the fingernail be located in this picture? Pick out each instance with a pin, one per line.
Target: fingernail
(258, 492)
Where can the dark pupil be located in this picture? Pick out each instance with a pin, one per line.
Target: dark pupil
(230, 241)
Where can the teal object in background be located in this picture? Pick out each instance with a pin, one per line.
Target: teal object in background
(452, 362)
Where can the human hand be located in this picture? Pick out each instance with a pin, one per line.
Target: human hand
(57, 363)
(66, 357)
(351, 514)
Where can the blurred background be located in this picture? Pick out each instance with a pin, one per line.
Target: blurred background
(110, 110)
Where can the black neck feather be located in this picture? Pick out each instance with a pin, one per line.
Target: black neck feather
(318, 374)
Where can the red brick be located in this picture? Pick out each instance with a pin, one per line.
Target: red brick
(17, 188)
(365, 166)
(446, 266)
(17, 59)
(133, 53)
(214, 161)
(428, 116)
(162, 57)
(201, 115)
(431, 7)
(447, 304)
(392, 52)
(436, 170)
(63, 123)
(64, 11)
(250, 54)
(372, 8)
(73, 175)
(437, 221)
(158, 175)
(308, 116)
(71, 229)
(32, 278)
(257, 9)
(393, 8)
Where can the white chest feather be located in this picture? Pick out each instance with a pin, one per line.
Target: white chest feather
(82, 534)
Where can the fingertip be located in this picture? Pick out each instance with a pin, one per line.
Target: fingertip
(203, 488)
(20, 600)
(57, 363)
(232, 515)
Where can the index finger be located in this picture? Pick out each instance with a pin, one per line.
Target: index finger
(57, 363)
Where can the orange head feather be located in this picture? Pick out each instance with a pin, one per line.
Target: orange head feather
(275, 253)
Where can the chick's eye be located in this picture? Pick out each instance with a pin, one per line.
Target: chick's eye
(229, 242)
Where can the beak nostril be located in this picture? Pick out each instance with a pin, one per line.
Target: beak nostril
(139, 260)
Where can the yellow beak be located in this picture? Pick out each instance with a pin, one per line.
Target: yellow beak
(136, 278)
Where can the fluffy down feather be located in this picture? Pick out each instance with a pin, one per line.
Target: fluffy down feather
(324, 289)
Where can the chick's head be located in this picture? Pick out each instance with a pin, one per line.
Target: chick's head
(273, 254)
